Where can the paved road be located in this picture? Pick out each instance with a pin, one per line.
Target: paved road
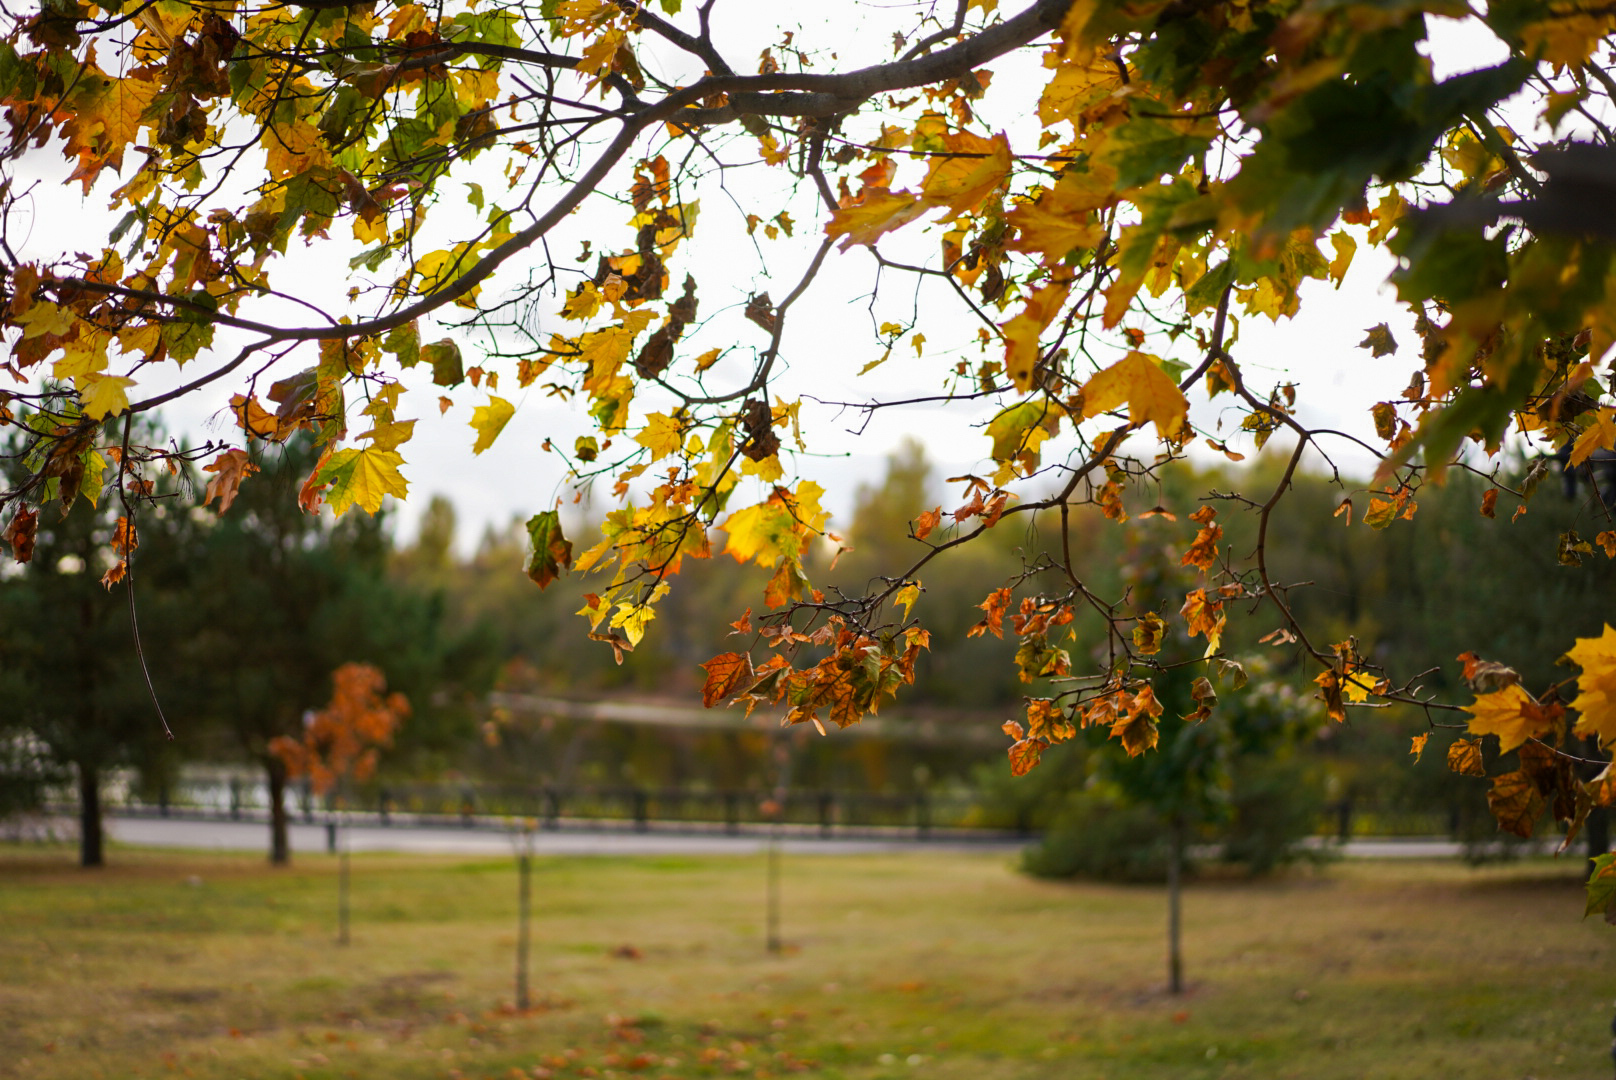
(251, 836)
(248, 836)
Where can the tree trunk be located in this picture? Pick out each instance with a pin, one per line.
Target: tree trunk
(1596, 830)
(280, 848)
(1175, 872)
(90, 846)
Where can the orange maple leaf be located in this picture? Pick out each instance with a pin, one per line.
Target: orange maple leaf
(230, 469)
(725, 674)
(995, 606)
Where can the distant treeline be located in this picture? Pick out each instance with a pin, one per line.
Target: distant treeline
(244, 615)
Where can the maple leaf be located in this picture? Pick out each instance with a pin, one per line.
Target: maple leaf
(1329, 692)
(1485, 676)
(1204, 616)
(877, 212)
(1047, 720)
(1021, 429)
(1025, 754)
(1149, 392)
(763, 533)
(786, 585)
(1417, 745)
(1596, 686)
(1516, 803)
(1464, 757)
(231, 468)
(662, 436)
(725, 674)
(1021, 347)
(926, 522)
(993, 623)
(363, 478)
(104, 395)
(1379, 341)
(1512, 714)
(1137, 727)
(1059, 221)
(907, 597)
(1600, 436)
(254, 419)
(1602, 888)
(488, 421)
(1203, 552)
(1148, 631)
(551, 552)
(962, 182)
(20, 532)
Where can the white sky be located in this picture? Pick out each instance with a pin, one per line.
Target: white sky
(830, 333)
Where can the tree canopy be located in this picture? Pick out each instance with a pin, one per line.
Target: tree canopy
(1079, 201)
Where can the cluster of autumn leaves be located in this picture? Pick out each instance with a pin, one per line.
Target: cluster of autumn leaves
(1535, 728)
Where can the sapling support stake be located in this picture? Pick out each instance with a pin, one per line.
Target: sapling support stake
(524, 906)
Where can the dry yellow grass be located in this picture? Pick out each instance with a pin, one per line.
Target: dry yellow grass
(180, 965)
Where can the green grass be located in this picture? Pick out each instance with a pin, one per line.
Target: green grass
(211, 966)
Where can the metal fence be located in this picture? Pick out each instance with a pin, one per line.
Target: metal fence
(822, 813)
(952, 813)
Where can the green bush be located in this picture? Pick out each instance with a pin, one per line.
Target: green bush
(1094, 837)
(1275, 805)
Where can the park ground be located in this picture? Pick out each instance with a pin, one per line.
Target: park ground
(186, 965)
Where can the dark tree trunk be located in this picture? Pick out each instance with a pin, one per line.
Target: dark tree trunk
(90, 845)
(280, 847)
(1597, 830)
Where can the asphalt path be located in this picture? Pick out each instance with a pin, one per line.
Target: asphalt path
(452, 840)
(448, 840)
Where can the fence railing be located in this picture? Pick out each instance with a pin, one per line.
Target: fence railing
(823, 813)
(826, 813)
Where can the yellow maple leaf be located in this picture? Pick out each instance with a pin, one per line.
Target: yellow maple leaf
(84, 355)
(632, 619)
(761, 533)
(1601, 436)
(384, 436)
(362, 478)
(1022, 428)
(489, 420)
(877, 212)
(604, 351)
(907, 597)
(142, 339)
(1021, 333)
(662, 436)
(1076, 85)
(1511, 713)
(1357, 686)
(1053, 227)
(1148, 391)
(962, 182)
(1596, 698)
(44, 318)
(104, 395)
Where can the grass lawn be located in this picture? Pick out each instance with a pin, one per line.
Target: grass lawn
(214, 966)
